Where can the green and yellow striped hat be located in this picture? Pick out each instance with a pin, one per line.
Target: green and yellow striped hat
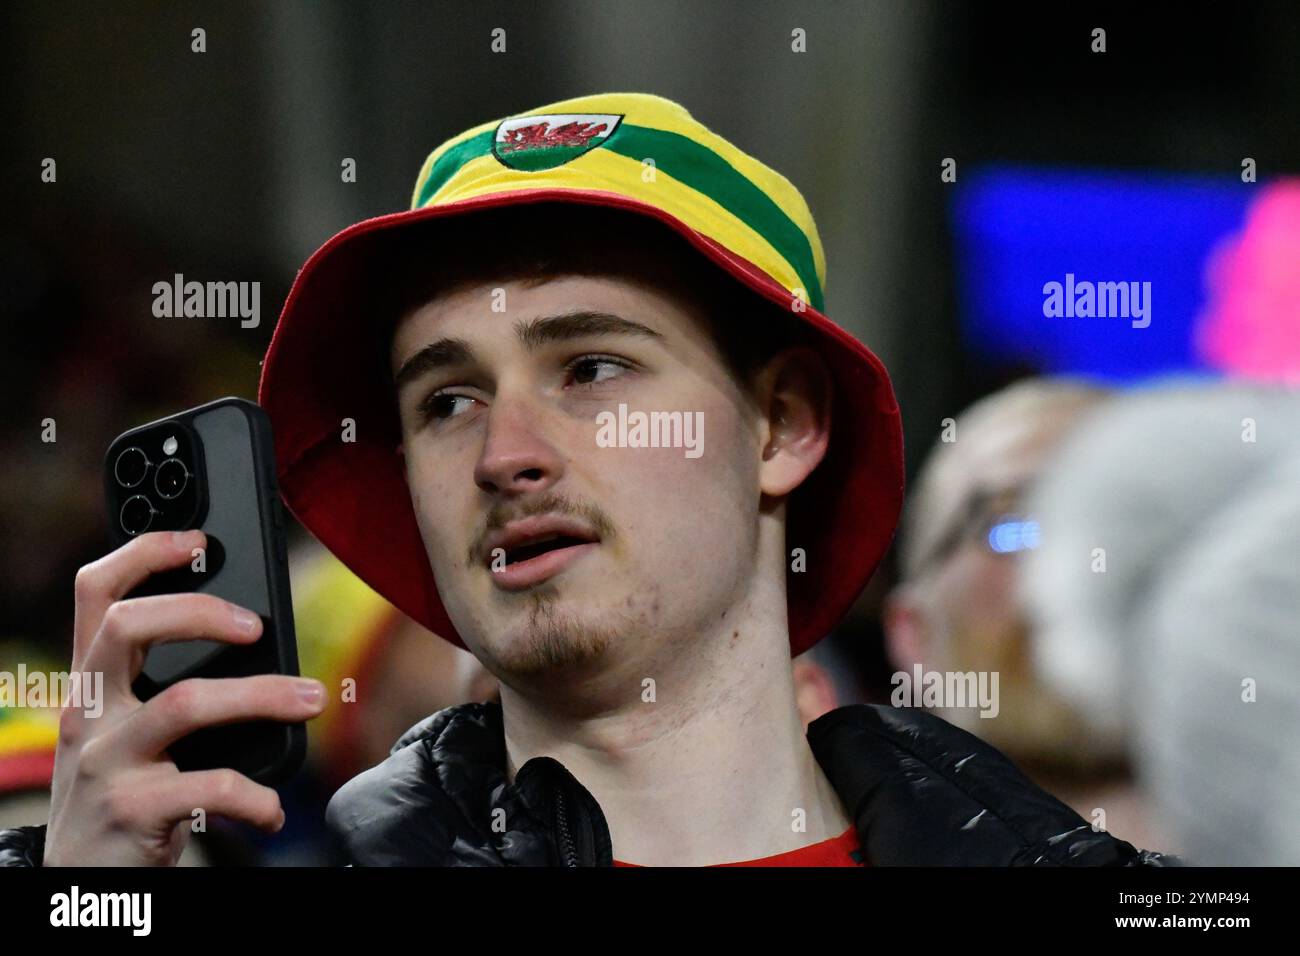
(644, 148)
(632, 151)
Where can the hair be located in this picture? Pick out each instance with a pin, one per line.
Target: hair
(537, 242)
(1025, 406)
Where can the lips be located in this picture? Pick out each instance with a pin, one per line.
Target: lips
(536, 549)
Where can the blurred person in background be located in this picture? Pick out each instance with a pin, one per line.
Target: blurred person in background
(956, 607)
(1163, 594)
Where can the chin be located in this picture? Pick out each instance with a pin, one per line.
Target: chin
(549, 633)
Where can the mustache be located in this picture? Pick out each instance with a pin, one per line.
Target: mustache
(546, 503)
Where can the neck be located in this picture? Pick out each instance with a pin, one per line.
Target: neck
(708, 765)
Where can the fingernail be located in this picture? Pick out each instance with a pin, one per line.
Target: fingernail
(181, 539)
(309, 691)
(245, 618)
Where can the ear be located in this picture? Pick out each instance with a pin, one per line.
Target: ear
(794, 391)
(905, 632)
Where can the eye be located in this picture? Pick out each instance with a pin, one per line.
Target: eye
(592, 369)
(443, 405)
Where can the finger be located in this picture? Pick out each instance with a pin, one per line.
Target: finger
(129, 627)
(104, 581)
(175, 798)
(206, 702)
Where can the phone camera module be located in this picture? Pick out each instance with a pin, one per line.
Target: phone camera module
(131, 467)
(137, 515)
(171, 478)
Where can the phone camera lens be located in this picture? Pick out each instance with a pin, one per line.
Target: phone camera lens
(171, 478)
(131, 467)
(137, 515)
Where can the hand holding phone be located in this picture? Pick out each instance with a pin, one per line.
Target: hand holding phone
(213, 468)
(200, 701)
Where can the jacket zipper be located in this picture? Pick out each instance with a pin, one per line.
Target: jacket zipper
(568, 851)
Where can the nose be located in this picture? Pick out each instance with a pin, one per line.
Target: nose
(516, 457)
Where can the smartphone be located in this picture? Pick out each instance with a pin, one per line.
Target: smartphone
(213, 468)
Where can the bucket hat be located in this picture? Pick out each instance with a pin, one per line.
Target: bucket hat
(631, 151)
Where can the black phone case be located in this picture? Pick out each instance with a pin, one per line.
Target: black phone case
(239, 509)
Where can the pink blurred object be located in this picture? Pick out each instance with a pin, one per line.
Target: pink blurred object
(1251, 322)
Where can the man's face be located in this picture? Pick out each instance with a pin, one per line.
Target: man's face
(968, 596)
(972, 588)
(647, 547)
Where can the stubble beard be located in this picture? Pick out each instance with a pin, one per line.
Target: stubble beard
(554, 641)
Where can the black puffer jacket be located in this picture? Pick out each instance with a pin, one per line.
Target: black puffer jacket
(920, 791)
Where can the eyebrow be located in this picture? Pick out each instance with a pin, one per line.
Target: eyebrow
(532, 334)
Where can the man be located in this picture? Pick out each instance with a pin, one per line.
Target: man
(958, 605)
(961, 603)
(638, 590)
